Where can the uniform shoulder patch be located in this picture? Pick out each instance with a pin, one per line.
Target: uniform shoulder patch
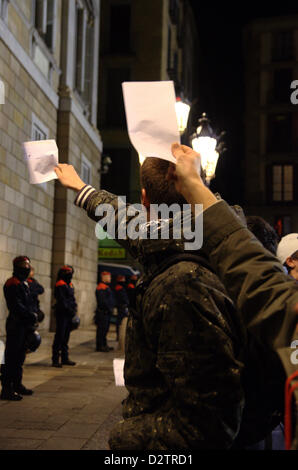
(130, 286)
(102, 286)
(13, 281)
(61, 283)
(118, 287)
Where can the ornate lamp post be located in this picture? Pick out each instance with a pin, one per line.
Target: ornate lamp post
(207, 143)
(182, 111)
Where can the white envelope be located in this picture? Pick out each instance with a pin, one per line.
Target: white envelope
(42, 158)
(151, 118)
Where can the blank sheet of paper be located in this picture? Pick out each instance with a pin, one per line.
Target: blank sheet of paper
(118, 365)
(151, 117)
(41, 157)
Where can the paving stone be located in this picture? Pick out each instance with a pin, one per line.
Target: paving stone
(19, 444)
(72, 429)
(66, 443)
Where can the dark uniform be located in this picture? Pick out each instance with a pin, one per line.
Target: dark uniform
(122, 302)
(131, 290)
(105, 304)
(65, 310)
(36, 290)
(21, 319)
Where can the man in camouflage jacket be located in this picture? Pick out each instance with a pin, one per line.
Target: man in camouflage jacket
(185, 349)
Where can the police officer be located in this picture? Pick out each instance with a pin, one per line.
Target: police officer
(122, 301)
(105, 304)
(65, 310)
(131, 289)
(21, 321)
(36, 290)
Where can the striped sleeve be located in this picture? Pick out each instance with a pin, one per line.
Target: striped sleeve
(84, 196)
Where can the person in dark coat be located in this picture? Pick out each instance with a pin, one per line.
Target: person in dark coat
(184, 341)
(36, 290)
(131, 289)
(122, 301)
(65, 310)
(105, 304)
(22, 319)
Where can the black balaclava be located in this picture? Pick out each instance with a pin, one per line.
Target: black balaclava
(19, 268)
(66, 273)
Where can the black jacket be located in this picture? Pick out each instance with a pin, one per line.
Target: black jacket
(36, 290)
(105, 298)
(20, 303)
(184, 351)
(65, 299)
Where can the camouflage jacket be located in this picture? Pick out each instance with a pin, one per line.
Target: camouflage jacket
(184, 348)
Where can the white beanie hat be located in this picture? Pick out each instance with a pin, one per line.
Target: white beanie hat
(287, 247)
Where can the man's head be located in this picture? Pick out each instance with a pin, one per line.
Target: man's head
(287, 252)
(65, 273)
(264, 232)
(105, 277)
(120, 279)
(21, 267)
(157, 188)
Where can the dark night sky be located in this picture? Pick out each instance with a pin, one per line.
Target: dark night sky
(221, 79)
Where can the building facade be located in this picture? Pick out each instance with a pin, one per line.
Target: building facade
(271, 121)
(141, 40)
(49, 72)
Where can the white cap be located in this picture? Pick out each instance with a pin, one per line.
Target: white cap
(287, 247)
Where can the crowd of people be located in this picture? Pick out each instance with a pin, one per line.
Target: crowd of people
(22, 293)
(208, 338)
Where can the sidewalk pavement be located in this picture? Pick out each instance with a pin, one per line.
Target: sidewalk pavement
(72, 408)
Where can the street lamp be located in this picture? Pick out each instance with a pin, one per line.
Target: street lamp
(206, 142)
(182, 111)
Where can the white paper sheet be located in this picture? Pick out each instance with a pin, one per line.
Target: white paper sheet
(118, 365)
(151, 117)
(42, 158)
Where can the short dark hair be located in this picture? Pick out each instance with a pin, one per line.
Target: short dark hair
(294, 256)
(264, 232)
(154, 180)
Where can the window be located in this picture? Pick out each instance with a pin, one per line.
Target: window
(87, 95)
(282, 46)
(115, 112)
(174, 11)
(282, 80)
(86, 170)
(39, 132)
(3, 9)
(120, 25)
(84, 54)
(283, 183)
(280, 134)
(283, 225)
(117, 180)
(45, 16)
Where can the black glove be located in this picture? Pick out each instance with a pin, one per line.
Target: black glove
(40, 316)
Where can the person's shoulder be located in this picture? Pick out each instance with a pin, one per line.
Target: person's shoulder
(13, 281)
(102, 286)
(118, 288)
(61, 283)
